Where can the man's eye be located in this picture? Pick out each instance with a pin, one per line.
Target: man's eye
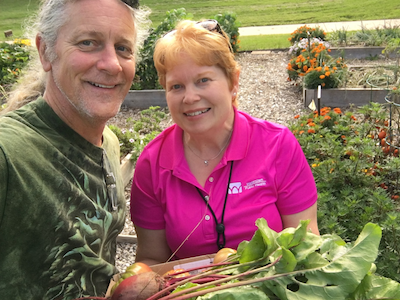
(87, 43)
(124, 50)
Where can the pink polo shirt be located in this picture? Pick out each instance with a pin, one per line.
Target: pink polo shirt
(270, 177)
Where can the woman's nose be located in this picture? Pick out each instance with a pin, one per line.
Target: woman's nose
(191, 95)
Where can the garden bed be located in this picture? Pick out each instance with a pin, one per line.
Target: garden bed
(345, 97)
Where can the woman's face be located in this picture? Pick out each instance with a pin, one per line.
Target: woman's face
(199, 97)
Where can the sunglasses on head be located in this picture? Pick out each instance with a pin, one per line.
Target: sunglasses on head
(131, 3)
(210, 25)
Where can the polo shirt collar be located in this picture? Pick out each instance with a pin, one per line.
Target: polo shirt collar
(172, 154)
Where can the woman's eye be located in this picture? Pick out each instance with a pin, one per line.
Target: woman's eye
(203, 80)
(175, 86)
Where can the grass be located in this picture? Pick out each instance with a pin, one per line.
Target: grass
(278, 12)
(260, 42)
(249, 13)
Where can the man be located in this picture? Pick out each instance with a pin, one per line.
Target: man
(61, 195)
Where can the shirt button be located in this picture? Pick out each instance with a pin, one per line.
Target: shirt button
(211, 179)
(207, 217)
(206, 198)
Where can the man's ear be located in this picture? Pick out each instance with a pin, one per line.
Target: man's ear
(41, 47)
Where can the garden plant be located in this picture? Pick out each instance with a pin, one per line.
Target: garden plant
(357, 175)
(146, 74)
(311, 61)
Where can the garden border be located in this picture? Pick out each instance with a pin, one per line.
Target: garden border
(344, 97)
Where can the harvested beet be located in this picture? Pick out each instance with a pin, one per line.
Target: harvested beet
(139, 287)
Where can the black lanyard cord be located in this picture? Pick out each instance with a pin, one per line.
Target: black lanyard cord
(220, 227)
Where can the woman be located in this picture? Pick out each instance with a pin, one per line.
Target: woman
(202, 183)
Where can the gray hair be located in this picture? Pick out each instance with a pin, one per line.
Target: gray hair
(50, 18)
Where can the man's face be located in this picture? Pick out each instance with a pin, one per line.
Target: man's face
(95, 63)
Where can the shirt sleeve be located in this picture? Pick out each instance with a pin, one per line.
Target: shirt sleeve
(145, 206)
(3, 183)
(296, 186)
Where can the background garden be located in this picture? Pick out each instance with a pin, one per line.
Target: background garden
(353, 153)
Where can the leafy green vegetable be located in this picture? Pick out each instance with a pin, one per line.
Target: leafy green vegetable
(298, 265)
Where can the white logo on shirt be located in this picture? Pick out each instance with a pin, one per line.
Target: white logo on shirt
(235, 188)
(254, 183)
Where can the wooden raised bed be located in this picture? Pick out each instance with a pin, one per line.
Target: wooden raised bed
(145, 98)
(345, 97)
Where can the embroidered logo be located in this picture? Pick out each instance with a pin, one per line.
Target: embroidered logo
(235, 188)
(254, 183)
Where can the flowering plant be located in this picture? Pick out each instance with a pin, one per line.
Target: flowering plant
(316, 66)
(357, 178)
(140, 132)
(306, 32)
(304, 44)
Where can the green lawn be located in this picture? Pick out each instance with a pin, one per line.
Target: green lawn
(249, 13)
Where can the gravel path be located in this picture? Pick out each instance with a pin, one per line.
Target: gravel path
(264, 93)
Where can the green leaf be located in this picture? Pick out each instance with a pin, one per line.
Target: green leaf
(376, 287)
(287, 263)
(254, 249)
(337, 279)
(237, 293)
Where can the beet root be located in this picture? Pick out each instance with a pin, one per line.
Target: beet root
(139, 287)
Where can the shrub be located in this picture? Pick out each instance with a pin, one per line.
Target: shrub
(140, 132)
(13, 58)
(146, 73)
(230, 25)
(357, 180)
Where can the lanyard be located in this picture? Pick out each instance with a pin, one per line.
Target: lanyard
(220, 227)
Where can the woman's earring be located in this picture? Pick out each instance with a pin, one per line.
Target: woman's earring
(234, 94)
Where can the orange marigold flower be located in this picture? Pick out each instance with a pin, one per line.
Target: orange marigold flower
(337, 110)
(322, 76)
(353, 118)
(305, 68)
(312, 124)
(297, 116)
(326, 68)
(327, 74)
(327, 117)
(319, 69)
(323, 84)
(311, 131)
(301, 132)
(343, 137)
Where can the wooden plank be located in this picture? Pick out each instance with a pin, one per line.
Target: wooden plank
(345, 97)
(127, 169)
(125, 238)
(145, 98)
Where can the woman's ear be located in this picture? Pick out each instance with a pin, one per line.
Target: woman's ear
(41, 47)
(235, 83)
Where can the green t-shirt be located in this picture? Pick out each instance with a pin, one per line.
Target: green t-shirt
(57, 226)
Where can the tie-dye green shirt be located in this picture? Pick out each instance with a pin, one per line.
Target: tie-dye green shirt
(57, 227)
